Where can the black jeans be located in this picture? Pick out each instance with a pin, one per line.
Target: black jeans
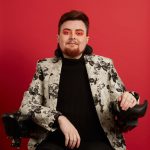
(56, 141)
(96, 145)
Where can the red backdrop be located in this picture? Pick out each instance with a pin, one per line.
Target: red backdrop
(118, 29)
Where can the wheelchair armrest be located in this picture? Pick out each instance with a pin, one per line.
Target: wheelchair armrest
(19, 126)
(12, 128)
(127, 120)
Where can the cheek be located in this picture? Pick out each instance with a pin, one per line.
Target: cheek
(83, 42)
(82, 45)
(62, 38)
(62, 41)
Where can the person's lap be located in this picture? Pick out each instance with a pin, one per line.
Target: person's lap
(50, 146)
(84, 146)
(97, 145)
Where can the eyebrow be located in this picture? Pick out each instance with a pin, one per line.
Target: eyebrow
(76, 29)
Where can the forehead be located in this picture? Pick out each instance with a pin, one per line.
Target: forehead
(73, 25)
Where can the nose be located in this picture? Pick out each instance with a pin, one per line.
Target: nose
(72, 35)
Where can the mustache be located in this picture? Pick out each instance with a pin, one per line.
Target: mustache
(72, 41)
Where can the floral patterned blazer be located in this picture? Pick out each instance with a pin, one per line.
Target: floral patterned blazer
(41, 97)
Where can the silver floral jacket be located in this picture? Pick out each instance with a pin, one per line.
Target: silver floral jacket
(41, 97)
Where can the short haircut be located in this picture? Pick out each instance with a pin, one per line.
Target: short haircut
(74, 15)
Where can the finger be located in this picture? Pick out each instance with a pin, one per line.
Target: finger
(66, 140)
(70, 140)
(133, 103)
(78, 141)
(130, 102)
(119, 98)
(123, 99)
(126, 104)
(74, 142)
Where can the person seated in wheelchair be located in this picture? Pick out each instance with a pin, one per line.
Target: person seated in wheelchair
(70, 97)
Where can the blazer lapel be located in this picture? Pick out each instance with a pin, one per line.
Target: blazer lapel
(53, 81)
(92, 66)
(93, 78)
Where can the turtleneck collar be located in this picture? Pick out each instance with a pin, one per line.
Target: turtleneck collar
(69, 61)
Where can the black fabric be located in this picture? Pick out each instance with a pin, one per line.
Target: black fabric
(95, 145)
(50, 146)
(75, 99)
(76, 103)
(52, 142)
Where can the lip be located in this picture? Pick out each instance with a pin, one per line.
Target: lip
(73, 43)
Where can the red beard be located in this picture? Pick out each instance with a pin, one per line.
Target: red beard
(72, 53)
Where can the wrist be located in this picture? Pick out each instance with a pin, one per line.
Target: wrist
(60, 118)
(57, 115)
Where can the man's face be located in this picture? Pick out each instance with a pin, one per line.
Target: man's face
(72, 38)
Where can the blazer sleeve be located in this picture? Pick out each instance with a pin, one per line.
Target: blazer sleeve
(33, 100)
(116, 85)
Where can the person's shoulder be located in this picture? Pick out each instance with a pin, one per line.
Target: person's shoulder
(47, 60)
(101, 58)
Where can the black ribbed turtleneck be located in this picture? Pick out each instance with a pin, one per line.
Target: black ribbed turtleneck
(75, 101)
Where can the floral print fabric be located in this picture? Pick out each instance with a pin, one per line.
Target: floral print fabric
(41, 98)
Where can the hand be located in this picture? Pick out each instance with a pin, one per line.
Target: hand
(127, 100)
(72, 137)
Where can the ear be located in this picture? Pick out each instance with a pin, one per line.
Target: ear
(57, 37)
(87, 39)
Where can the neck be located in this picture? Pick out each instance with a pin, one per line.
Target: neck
(77, 57)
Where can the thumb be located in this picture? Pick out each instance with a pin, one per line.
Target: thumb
(119, 98)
